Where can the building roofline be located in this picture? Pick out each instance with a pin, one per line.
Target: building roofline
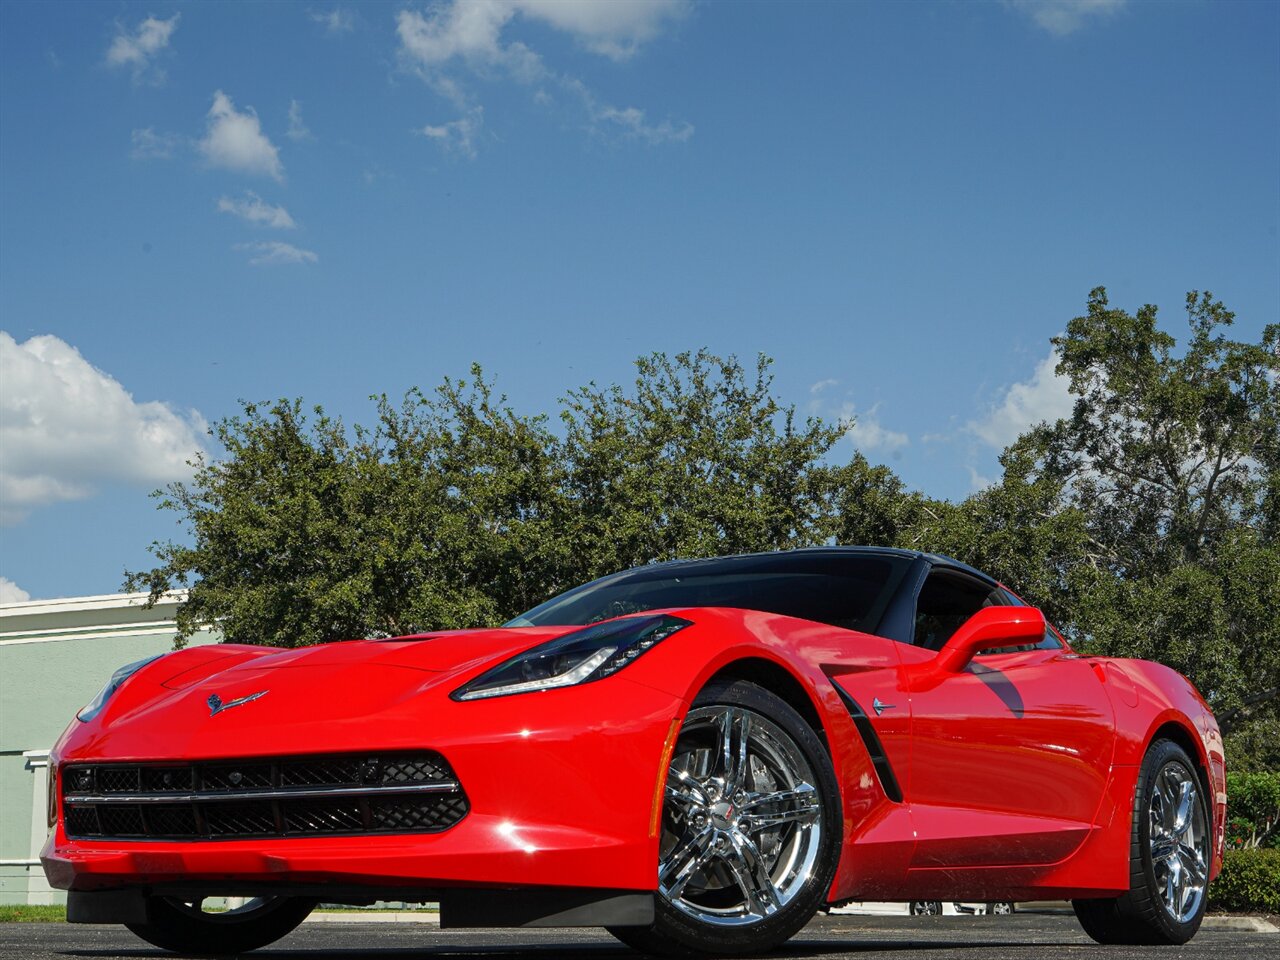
(105, 601)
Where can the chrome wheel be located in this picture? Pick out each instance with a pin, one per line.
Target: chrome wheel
(742, 822)
(1179, 840)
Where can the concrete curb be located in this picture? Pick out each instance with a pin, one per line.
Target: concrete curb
(376, 916)
(1248, 924)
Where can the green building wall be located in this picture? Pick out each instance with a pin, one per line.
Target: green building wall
(54, 657)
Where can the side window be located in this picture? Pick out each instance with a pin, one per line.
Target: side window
(946, 601)
(1051, 641)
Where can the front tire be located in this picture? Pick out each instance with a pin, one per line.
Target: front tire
(183, 926)
(750, 830)
(1168, 856)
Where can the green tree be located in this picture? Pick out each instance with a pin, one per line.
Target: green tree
(697, 459)
(1164, 481)
(453, 510)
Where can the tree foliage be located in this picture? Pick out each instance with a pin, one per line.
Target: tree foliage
(1145, 524)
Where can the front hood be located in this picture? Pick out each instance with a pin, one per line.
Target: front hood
(445, 651)
(330, 691)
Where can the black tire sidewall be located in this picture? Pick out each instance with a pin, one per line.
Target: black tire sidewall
(172, 928)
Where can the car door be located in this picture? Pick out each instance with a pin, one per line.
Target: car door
(1010, 757)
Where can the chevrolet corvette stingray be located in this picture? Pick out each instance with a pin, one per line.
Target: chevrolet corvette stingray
(697, 755)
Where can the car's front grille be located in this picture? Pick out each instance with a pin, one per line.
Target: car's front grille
(284, 797)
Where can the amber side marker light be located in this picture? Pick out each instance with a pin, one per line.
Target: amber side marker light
(51, 792)
(659, 789)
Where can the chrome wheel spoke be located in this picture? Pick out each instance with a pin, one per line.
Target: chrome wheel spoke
(735, 732)
(752, 875)
(1163, 847)
(686, 788)
(798, 804)
(686, 861)
(1192, 865)
(1182, 809)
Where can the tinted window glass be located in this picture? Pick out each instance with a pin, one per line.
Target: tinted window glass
(845, 591)
(1050, 641)
(946, 601)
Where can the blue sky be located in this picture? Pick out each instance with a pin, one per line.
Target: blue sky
(900, 203)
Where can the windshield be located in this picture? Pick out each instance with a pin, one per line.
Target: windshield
(846, 590)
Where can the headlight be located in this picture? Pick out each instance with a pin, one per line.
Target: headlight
(579, 657)
(94, 707)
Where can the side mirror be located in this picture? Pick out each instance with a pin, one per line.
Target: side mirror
(990, 627)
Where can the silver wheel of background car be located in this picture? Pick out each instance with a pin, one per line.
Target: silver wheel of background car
(1179, 840)
(926, 908)
(742, 823)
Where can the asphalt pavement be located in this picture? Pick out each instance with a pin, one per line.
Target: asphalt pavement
(1025, 937)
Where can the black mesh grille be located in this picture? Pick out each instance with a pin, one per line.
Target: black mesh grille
(240, 819)
(122, 821)
(170, 820)
(414, 771)
(83, 821)
(217, 801)
(327, 816)
(119, 779)
(167, 779)
(408, 815)
(340, 772)
(243, 776)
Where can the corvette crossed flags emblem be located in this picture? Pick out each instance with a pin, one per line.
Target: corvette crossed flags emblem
(216, 706)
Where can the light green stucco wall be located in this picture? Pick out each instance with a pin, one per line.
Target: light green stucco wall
(54, 657)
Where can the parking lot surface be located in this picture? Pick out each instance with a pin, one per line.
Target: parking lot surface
(935, 938)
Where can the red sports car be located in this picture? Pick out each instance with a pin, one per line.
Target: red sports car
(697, 755)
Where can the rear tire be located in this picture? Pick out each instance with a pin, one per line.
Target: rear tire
(750, 830)
(1168, 857)
(183, 927)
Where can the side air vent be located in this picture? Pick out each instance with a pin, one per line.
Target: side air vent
(875, 749)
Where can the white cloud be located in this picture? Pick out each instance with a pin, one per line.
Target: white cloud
(335, 21)
(867, 433)
(468, 34)
(633, 123)
(1063, 17)
(271, 252)
(234, 140)
(458, 135)
(616, 29)
(1043, 398)
(66, 427)
(297, 129)
(149, 145)
(140, 48)
(978, 481)
(257, 211)
(10, 592)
